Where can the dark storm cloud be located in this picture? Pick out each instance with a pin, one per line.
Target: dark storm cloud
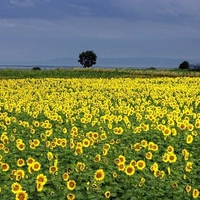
(55, 28)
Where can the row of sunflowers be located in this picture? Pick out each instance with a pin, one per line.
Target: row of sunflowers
(100, 138)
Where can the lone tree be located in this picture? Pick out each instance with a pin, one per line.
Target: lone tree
(184, 65)
(87, 59)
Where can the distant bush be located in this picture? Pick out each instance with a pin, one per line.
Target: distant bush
(195, 67)
(36, 68)
(152, 68)
(184, 65)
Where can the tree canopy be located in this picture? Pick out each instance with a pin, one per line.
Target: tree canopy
(87, 58)
(184, 65)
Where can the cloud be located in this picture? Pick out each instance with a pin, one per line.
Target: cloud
(26, 3)
(54, 28)
(168, 11)
(171, 11)
(22, 3)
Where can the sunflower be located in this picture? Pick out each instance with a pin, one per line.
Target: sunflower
(78, 151)
(162, 173)
(36, 123)
(190, 127)
(86, 142)
(2, 146)
(144, 143)
(129, 170)
(36, 166)
(157, 173)
(112, 141)
(150, 146)
(71, 184)
(41, 178)
(30, 161)
(103, 136)
(114, 175)
(97, 158)
(106, 146)
(105, 152)
(58, 142)
(48, 143)
(116, 161)
(82, 167)
(36, 142)
(53, 145)
(133, 162)
(65, 176)
(107, 194)
(189, 139)
(174, 132)
(53, 169)
(50, 155)
(64, 130)
(121, 166)
(32, 145)
(118, 141)
(182, 125)
(8, 120)
(94, 186)
(118, 130)
(188, 188)
(39, 187)
(20, 146)
(195, 193)
(140, 164)
(184, 152)
(5, 167)
(72, 145)
(170, 149)
(197, 123)
(19, 174)
(21, 195)
(174, 185)
(63, 142)
(20, 162)
(194, 133)
(6, 150)
(148, 155)
(155, 147)
(172, 158)
(188, 166)
(95, 135)
(99, 175)
(15, 188)
(122, 159)
(70, 196)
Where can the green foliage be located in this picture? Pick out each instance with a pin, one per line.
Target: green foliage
(95, 73)
(87, 59)
(184, 65)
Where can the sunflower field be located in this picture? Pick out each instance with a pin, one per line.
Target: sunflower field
(99, 138)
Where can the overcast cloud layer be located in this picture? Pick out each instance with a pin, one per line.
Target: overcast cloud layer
(33, 30)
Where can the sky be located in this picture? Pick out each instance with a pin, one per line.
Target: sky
(34, 30)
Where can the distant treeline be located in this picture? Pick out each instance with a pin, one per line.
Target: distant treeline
(186, 65)
(194, 67)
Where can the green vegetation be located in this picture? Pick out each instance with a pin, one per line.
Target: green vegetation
(96, 73)
(184, 65)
